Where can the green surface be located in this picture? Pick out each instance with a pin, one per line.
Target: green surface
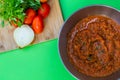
(38, 62)
(42, 61)
(70, 6)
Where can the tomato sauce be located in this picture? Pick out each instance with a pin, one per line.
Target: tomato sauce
(93, 46)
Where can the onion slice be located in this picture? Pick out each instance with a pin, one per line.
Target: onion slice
(23, 35)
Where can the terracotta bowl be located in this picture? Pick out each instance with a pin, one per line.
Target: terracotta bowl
(70, 23)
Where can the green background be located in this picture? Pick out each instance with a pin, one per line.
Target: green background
(42, 61)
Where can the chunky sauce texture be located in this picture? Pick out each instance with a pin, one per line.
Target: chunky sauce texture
(94, 46)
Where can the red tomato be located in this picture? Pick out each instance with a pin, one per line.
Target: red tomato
(37, 24)
(13, 24)
(43, 1)
(30, 14)
(44, 10)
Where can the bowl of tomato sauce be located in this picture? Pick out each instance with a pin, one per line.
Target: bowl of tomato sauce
(89, 43)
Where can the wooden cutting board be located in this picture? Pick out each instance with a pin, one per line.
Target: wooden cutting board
(52, 24)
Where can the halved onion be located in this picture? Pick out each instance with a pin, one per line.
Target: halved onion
(23, 35)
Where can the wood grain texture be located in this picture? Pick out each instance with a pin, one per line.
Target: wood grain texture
(51, 30)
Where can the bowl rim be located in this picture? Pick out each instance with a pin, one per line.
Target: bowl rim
(59, 34)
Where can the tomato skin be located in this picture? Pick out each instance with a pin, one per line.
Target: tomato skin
(43, 1)
(30, 14)
(44, 10)
(37, 24)
(14, 23)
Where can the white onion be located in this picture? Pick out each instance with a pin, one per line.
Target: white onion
(23, 35)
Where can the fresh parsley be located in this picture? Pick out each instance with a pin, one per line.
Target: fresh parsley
(11, 10)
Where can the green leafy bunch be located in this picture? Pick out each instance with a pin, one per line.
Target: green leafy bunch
(11, 10)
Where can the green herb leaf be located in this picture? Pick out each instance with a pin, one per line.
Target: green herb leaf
(15, 9)
(19, 24)
(35, 4)
(2, 23)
